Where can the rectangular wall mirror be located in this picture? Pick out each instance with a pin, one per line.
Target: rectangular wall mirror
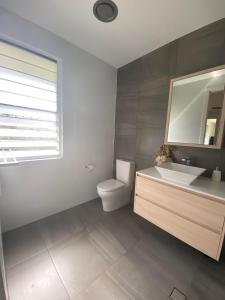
(196, 110)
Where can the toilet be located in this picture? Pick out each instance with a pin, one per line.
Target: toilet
(116, 193)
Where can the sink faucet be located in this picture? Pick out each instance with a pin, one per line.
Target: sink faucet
(186, 161)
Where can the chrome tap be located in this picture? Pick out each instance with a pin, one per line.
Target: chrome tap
(186, 161)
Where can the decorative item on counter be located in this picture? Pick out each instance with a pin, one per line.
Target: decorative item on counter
(216, 175)
(164, 155)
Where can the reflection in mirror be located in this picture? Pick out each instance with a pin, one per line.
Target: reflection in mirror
(214, 110)
(196, 109)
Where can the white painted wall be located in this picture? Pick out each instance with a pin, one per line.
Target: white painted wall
(3, 285)
(34, 190)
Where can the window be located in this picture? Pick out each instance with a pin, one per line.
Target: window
(29, 112)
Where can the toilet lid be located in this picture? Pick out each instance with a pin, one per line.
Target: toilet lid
(110, 185)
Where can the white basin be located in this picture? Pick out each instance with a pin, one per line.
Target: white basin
(179, 173)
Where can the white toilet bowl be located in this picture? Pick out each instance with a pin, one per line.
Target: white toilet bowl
(116, 193)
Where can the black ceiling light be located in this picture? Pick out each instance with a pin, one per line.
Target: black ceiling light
(105, 10)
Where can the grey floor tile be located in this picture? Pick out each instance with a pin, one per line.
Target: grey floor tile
(35, 279)
(90, 212)
(123, 227)
(78, 262)
(21, 244)
(175, 262)
(164, 260)
(74, 220)
(98, 255)
(60, 227)
(209, 282)
(137, 278)
(106, 242)
(104, 288)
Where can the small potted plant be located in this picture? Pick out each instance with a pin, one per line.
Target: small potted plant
(163, 155)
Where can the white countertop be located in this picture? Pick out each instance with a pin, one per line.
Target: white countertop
(202, 185)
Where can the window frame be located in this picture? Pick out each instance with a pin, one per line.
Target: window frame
(59, 114)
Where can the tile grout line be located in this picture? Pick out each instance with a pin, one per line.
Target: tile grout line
(103, 250)
(26, 259)
(106, 271)
(119, 285)
(60, 278)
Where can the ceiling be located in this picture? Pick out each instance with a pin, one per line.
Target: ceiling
(141, 25)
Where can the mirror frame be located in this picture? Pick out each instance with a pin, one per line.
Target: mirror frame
(219, 142)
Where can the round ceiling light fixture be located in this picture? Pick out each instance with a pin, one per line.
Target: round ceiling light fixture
(105, 10)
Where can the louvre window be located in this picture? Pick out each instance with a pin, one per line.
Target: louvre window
(29, 114)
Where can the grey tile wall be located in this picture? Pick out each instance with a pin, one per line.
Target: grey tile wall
(143, 92)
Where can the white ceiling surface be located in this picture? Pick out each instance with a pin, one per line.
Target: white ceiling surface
(141, 25)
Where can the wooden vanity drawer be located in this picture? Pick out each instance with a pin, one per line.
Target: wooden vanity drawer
(191, 233)
(202, 211)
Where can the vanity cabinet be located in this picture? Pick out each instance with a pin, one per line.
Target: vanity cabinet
(192, 217)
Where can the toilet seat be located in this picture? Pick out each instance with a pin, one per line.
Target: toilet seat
(110, 185)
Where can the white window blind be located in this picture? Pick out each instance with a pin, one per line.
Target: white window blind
(29, 118)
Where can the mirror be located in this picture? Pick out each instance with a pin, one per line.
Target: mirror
(196, 111)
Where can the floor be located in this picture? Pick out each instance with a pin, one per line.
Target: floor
(84, 253)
